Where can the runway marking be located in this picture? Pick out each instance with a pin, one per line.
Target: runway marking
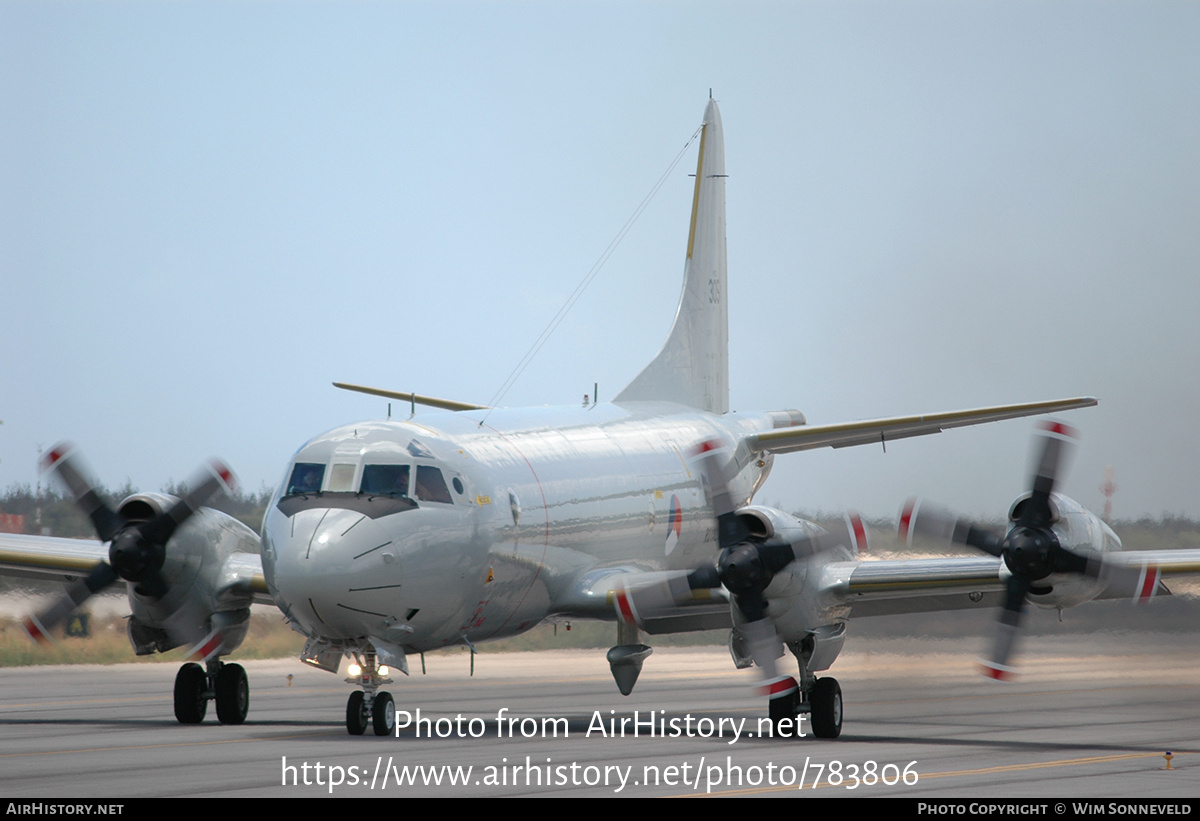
(1067, 762)
(158, 746)
(76, 702)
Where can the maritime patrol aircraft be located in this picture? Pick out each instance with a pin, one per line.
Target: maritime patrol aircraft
(393, 538)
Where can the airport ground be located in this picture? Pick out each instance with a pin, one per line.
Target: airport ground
(1091, 716)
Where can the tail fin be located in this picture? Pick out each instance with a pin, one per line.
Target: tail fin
(693, 366)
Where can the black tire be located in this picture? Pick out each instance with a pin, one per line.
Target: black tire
(356, 714)
(190, 701)
(383, 714)
(233, 694)
(783, 709)
(826, 700)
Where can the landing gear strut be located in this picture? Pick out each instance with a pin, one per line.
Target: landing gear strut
(224, 683)
(821, 698)
(370, 705)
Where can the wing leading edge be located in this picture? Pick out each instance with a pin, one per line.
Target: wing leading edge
(875, 431)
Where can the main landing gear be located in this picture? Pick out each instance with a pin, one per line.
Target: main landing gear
(822, 700)
(223, 683)
(369, 706)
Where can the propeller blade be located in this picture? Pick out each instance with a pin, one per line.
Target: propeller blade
(765, 646)
(1057, 440)
(38, 626)
(647, 601)
(1007, 625)
(203, 487)
(73, 473)
(921, 520)
(730, 529)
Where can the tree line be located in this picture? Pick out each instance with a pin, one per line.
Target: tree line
(50, 512)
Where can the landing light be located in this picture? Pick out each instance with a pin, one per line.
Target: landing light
(354, 670)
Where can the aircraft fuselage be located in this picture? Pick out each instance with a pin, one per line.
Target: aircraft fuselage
(485, 525)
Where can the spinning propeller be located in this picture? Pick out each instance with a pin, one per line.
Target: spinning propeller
(137, 549)
(745, 567)
(1030, 549)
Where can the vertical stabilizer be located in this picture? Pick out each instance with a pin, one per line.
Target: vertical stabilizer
(693, 366)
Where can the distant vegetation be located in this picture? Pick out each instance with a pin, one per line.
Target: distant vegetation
(53, 513)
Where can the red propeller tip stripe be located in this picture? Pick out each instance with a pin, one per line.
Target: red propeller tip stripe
(205, 649)
(906, 517)
(997, 672)
(34, 631)
(1060, 429)
(776, 687)
(860, 533)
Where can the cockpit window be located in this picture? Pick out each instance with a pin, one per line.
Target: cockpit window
(431, 487)
(385, 480)
(306, 478)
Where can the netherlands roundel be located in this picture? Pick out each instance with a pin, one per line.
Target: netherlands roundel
(674, 523)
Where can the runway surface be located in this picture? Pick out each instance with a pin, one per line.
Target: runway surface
(1085, 720)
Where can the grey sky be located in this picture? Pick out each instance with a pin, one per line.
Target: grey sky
(209, 211)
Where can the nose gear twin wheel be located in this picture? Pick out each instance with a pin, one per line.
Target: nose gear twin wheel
(356, 713)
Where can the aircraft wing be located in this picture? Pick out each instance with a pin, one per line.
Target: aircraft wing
(66, 560)
(875, 431)
(889, 587)
(49, 558)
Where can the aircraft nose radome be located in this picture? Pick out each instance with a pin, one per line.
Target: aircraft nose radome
(336, 566)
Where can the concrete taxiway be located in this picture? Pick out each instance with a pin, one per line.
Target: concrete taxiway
(1087, 718)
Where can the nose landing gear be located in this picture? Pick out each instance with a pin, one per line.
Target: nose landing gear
(370, 705)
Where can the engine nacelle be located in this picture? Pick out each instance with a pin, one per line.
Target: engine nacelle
(199, 600)
(791, 605)
(1079, 531)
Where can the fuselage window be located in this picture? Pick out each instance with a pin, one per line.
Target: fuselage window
(431, 487)
(385, 480)
(342, 478)
(306, 478)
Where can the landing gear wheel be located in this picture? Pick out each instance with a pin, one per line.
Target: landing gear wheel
(356, 714)
(783, 709)
(191, 703)
(233, 694)
(826, 700)
(383, 714)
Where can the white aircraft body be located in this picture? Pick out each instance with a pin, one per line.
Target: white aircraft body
(390, 538)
